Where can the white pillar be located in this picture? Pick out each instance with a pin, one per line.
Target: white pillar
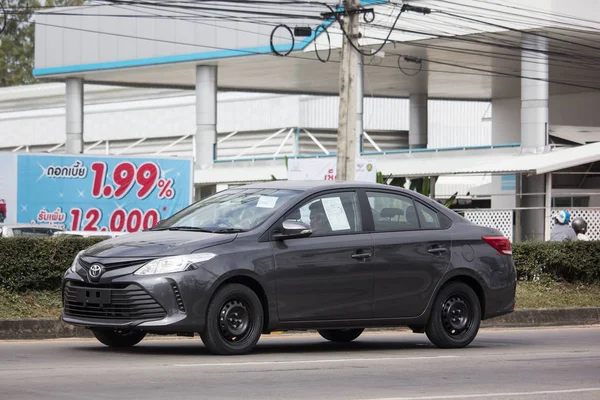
(534, 95)
(417, 133)
(548, 213)
(534, 128)
(206, 115)
(74, 116)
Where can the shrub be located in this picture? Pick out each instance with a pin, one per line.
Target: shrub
(34, 263)
(39, 263)
(558, 261)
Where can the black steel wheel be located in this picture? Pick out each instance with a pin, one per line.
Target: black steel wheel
(1, 216)
(455, 317)
(340, 335)
(118, 338)
(234, 321)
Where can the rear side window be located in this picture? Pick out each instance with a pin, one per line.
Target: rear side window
(431, 219)
(392, 212)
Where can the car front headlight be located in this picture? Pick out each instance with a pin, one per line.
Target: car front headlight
(75, 263)
(174, 264)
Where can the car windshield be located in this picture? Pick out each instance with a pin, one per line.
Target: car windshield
(233, 210)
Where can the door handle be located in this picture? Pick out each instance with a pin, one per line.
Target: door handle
(437, 250)
(361, 256)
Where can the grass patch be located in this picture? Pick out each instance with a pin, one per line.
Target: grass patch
(556, 295)
(47, 304)
(40, 304)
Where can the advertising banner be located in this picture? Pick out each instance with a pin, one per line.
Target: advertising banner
(8, 188)
(326, 169)
(88, 193)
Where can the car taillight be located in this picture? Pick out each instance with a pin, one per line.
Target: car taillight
(500, 243)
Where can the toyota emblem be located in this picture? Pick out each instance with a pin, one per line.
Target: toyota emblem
(95, 271)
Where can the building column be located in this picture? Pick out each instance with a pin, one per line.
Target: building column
(74, 116)
(534, 128)
(360, 96)
(417, 133)
(206, 115)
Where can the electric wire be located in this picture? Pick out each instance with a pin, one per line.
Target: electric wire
(370, 54)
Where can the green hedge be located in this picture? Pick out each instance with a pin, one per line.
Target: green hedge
(558, 261)
(39, 263)
(28, 263)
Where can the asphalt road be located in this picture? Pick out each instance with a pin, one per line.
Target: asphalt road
(561, 363)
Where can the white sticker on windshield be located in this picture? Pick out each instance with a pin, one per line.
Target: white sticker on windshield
(335, 213)
(266, 201)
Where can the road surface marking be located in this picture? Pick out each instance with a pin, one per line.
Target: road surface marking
(321, 361)
(480, 395)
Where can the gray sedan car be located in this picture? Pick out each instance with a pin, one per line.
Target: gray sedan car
(332, 256)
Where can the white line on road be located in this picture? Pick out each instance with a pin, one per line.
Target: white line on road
(292, 362)
(476, 396)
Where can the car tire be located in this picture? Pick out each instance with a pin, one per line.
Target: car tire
(340, 335)
(1, 217)
(234, 321)
(455, 317)
(114, 338)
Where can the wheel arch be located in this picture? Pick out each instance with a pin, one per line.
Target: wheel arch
(467, 277)
(253, 283)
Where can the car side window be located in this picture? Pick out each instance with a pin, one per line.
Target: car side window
(429, 218)
(392, 212)
(330, 214)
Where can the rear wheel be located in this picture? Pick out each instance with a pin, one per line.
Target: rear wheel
(117, 338)
(2, 216)
(340, 335)
(234, 321)
(455, 317)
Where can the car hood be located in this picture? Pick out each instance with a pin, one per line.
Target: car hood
(152, 244)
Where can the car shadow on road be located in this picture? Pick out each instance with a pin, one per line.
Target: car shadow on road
(280, 345)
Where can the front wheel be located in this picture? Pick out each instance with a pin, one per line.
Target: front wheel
(115, 338)
(234, 321)
(455, 317)
(340, 335)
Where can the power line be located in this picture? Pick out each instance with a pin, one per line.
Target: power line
(248, 52)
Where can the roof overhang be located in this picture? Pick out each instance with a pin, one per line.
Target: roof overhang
(496, 161)
(500, 160)
(165, 53)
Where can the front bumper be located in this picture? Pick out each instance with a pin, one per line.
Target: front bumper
(161, 304)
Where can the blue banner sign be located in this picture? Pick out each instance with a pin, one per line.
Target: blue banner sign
(116, 194)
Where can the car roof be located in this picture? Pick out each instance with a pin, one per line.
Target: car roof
(308, 184)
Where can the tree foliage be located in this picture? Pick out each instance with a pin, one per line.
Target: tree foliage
(17, 40)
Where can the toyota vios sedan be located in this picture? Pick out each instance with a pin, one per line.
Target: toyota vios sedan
(336, 257)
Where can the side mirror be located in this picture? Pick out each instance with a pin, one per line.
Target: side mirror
(293, 229)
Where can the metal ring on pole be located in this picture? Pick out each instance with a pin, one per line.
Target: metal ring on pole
(328, 43)
(291, 34)
(3, 18)
(404, 72)
(372, 14)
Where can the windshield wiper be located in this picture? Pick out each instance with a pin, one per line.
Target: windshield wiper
(188, 228)
(230, 230)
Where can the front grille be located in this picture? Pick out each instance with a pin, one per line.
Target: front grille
(112, 264)
(120, 302)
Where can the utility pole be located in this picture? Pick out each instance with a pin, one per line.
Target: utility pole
(346, 140)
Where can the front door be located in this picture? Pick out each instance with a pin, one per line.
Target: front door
(412, 253)
(328, 275)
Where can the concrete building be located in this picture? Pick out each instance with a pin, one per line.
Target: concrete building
(535, 62)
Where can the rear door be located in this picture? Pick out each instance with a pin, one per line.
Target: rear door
(412, 250)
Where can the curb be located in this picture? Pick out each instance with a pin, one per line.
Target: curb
(30, 329)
